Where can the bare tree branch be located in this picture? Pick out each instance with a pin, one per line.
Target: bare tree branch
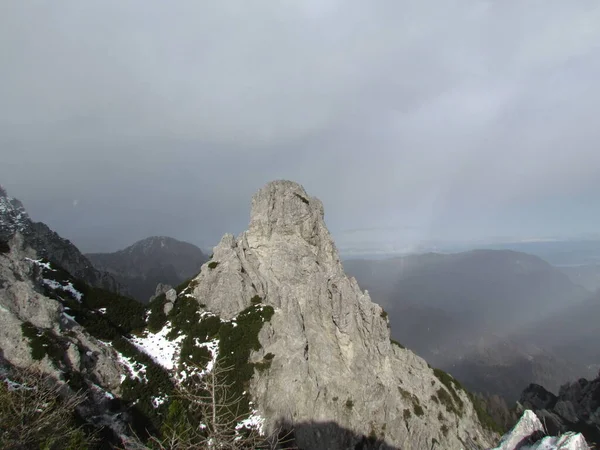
(206, 414)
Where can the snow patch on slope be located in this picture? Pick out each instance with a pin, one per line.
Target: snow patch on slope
(40, 263)
(68, 287)
(53, 284)
(135, 369)
(254, 421)
(156, 345)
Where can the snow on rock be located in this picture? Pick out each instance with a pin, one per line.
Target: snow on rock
(254, 421)
(528, 425)
(41, 263)
(157, 401)
(156, 345)
(568, 441)
(68, 287)
(526, 431)
(53, 284)
(136, 370)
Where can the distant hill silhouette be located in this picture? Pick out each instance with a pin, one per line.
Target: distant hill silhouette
(158, 259)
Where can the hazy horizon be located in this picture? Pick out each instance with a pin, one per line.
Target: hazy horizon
(467, 121)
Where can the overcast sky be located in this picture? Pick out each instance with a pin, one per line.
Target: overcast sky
(411, 120)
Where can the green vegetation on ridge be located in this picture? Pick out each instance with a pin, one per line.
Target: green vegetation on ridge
(109, 317)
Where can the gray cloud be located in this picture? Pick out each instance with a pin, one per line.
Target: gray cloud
(438, 120)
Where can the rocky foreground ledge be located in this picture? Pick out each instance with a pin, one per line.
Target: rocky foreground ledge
(529, 434)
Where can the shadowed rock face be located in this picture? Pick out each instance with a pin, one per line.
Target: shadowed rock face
(333, 360)
(306, 432)
(575, 408)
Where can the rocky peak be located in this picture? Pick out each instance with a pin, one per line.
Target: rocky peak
(330, 356)
(144, 264)
(284, 207)
(150, 245)
(13, 216)
(283, 212)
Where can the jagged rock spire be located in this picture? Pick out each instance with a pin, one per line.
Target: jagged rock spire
(333, 359)
(13, 216)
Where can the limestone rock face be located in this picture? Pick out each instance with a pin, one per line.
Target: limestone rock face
(333, 359)
(171, 295)
(21, 303)
(160, 289)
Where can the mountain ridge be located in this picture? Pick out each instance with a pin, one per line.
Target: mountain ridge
(312, 353)
(331, 357)
(48, 244)
(150, 261)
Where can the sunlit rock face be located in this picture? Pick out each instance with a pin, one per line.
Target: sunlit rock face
(333, 359)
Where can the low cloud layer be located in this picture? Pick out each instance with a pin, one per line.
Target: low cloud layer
(411, 120)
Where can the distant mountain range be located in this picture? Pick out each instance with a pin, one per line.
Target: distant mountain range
(134, 271)
(587, 276)
(303, 353)
(496, 319)
(158, 259)
(467, 313)
(576, 251)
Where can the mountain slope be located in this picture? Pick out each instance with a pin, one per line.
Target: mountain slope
(587, 276)
(572, 333)
(323, 355)
(56, 324)
(48, 244)
(141, 266)
(309, 353)
(465, 313)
